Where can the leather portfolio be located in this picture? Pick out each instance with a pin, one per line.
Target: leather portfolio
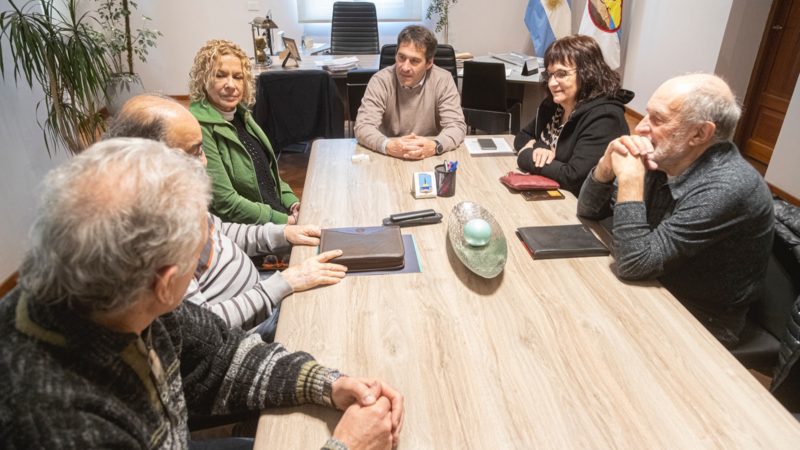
(561, 241)
(365, 248)
(527, 182)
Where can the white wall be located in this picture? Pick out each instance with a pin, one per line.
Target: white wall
(671, 38)
(25, 161)
(187, 24)
(740, 44)
(784, 167)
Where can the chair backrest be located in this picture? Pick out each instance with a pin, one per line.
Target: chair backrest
(484, 86)
(766, 322)
(387, 55)
(445, 57)
(354, 29)
(357, 81)
(786, 380)
(786, 251)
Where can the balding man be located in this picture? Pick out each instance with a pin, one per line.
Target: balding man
(227, 282)
(688, 209)
(98, 349)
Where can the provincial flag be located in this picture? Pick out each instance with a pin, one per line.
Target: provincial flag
(602, 21)
(547, 20)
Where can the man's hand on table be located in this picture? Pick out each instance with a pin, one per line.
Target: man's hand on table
(302, 234)
(373, 414)
(411, 147)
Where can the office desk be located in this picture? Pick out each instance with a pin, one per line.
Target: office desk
(309, 63)
(550, 354)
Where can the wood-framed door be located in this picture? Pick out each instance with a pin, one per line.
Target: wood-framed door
(772, 83)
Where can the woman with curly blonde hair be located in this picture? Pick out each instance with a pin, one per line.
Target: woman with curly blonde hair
(244, 171)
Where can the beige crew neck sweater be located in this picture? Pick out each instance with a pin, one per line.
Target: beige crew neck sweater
(432, 109)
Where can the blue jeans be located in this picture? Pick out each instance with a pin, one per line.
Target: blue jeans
(268, 327)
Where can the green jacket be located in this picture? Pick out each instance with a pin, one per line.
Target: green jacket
(236, 197)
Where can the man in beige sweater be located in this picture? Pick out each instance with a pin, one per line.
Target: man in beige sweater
(412, 109)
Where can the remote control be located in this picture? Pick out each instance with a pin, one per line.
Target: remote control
(412, 215)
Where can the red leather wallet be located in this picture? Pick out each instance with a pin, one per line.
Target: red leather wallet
(526, 182)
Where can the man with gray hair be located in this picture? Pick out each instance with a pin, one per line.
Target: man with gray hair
(98, 349)
(227, 282)
(688, 210)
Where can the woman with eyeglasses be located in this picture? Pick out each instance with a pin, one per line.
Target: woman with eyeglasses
(583, 111)
(244, 171)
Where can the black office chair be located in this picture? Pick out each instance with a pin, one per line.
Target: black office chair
(387, 55)
(354, 29)
(484, 101)
(766, 323)
(445, 57)
(357, 81)
(786, 380)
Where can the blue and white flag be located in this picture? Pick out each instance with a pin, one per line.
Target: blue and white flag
(602, 21)
(547, 20)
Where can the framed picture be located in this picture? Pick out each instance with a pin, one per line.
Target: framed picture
(293, 53)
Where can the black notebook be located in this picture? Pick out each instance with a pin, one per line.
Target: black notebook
(561, 241)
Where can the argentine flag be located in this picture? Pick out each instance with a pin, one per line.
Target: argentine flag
(602, 20)
(547, 20)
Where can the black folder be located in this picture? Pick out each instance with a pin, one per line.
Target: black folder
(561, 241)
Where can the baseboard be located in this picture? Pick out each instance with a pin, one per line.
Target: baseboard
(9, 284)
(783, 194)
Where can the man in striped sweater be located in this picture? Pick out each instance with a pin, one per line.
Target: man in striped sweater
(227, 282)
(100, 351)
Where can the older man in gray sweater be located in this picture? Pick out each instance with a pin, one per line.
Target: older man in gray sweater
(688, 209)
(412, 109)
(99, 351)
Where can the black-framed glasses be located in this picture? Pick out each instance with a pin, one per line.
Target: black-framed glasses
(559, 75)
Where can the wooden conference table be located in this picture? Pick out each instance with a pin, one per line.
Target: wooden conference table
(550, 354)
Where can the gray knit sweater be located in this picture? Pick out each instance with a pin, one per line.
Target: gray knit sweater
(705, 235)
(69, 383)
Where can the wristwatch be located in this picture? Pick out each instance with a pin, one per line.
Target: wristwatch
(439, 148)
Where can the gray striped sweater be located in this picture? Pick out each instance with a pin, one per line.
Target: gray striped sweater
(230, 284)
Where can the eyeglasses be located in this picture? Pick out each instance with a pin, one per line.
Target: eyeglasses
(559, 74)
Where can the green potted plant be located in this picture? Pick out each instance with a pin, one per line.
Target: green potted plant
(441, 9)
(55, 49)
(123, 44)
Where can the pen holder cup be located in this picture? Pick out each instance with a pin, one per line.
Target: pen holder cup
(445, 181)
